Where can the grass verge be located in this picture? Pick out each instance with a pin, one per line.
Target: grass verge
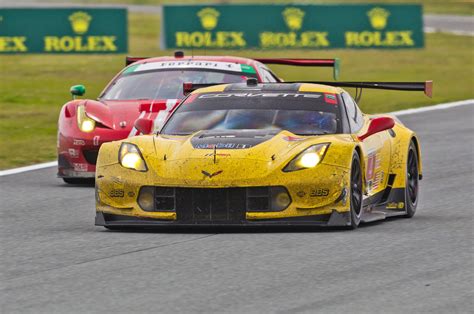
(34, 87)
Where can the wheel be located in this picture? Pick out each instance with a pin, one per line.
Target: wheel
(356, 191)
(88, 181)
(411, 186)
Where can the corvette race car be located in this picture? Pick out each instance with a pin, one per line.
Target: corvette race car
(263, 154)
(146, 88)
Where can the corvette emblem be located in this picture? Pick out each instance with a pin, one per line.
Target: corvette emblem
(210, 175)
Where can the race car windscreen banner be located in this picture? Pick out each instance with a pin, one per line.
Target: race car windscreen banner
(292, 26)
(74, 30)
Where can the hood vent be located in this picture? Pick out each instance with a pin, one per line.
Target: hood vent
(231, 139)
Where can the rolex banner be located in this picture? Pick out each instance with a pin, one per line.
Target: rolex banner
(73, 30)
(292, 26)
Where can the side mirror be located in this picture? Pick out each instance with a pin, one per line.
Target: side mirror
(145, 126)
(77, 90)
(378, 125)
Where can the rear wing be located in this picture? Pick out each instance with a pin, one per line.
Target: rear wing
(130, 60)
(426, 87)
(334, 63)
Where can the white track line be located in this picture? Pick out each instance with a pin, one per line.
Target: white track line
(396, 113)
(433, 108)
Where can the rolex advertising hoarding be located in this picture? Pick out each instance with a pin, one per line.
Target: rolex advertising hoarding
(72, 30)
(292, 26)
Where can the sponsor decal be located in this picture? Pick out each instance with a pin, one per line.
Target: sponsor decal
(190, 64)
(222, 146)
(330, 99)
(217, 154)
(301, 193)
(74, 153)
(318, 192)
(210, 175)
(116, 193)
(95, 140)
(78, 142)
(378, 18)
(80, 167)
(293, 138)
(294, 18)
(374, 175)
(394, 205)
(263, 95)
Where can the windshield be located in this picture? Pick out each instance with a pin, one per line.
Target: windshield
(299, 113)
(167, 83)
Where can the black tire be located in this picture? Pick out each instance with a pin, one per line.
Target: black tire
(355, 191)
(88, 181)
(412, 181)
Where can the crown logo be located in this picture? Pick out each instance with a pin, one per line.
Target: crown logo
(293, 18)
(378, 18)
(209, 18)
(80, 22)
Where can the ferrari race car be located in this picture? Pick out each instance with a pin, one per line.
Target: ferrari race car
(146, 88)
(263, 154)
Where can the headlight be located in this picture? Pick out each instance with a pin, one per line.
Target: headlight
(309, 158)
(131, 158)
(84, 123)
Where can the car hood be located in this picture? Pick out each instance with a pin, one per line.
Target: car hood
(230, 155)
(121, 114)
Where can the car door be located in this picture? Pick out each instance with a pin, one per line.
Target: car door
(376, 149)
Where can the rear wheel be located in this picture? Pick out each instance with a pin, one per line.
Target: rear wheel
(88, 181)
(356, 191)
(411, 184)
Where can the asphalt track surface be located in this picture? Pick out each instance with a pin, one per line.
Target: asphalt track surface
(54, 260)
(459, 25)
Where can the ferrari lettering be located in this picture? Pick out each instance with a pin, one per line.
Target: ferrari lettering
(210, 39)
(292, 39)
(13, 44)
(285, 95)
(79, 43)
(379, 39)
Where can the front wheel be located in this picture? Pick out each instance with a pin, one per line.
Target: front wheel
(355, 191)
(411, 184)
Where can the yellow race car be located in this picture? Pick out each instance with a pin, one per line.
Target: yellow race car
(263, 154)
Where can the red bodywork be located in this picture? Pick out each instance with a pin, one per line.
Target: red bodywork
(77, 150)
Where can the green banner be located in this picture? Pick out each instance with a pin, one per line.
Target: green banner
(292, 26)
(74, 30)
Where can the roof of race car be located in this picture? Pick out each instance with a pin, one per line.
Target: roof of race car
(200, 58)
(271, 87)
(232, 64)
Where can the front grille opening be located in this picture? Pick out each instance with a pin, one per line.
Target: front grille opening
(91, 156)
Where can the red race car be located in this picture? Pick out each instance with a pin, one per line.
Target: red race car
(146, 88)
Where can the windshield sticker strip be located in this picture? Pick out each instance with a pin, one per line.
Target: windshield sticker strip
(263, 95)
(216, 65)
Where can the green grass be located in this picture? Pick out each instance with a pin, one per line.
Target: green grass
(34, 87)
(464, 7)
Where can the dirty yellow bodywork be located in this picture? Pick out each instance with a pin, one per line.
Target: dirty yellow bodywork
(172, 161)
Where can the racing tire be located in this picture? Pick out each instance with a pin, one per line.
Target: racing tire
(412, 181)
(355, 191)
(88, 181)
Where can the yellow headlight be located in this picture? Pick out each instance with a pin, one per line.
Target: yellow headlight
(84, 123)
(309, 158)
(131, 158)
